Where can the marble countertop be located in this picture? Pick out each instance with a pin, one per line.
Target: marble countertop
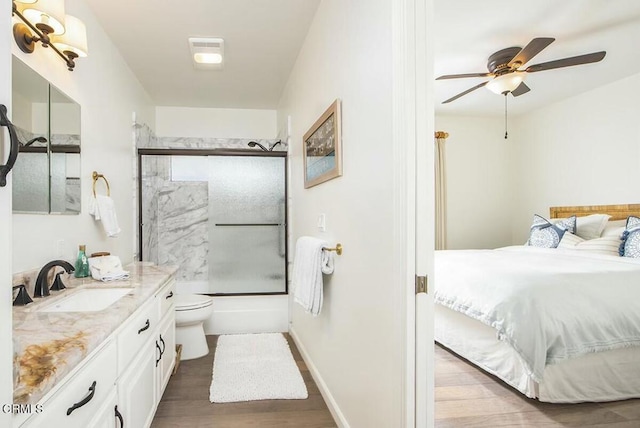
(49, 345)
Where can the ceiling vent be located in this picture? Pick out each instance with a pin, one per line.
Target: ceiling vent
(207, 53)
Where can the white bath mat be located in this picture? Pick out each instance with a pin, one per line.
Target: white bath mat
(249, 367)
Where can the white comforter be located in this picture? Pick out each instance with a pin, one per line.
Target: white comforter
(549, 304)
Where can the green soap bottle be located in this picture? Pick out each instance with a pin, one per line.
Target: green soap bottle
(82, 263)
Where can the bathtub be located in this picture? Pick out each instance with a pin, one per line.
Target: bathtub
(242, 314)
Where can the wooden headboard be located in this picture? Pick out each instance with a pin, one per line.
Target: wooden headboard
(617, 212)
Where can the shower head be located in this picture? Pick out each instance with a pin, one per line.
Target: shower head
(33, 140)
(253, 144)
(271, 147)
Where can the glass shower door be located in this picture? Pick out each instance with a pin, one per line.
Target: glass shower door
(247, 248)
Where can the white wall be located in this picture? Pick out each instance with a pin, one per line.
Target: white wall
(479, 183)
(354, 345)
(109, 93)
(20, 109)
(6, 350)
(581, 151)
(215, 122)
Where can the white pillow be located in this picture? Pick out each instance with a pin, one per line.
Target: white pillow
(614, 227)
(605, 245)
(589, 227)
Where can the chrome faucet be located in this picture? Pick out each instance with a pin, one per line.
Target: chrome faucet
(42, 285)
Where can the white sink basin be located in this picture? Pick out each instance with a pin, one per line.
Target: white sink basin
(87, 300)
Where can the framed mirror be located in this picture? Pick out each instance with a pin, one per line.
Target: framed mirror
(46, 176)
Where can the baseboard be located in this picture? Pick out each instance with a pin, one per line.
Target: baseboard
(338, 417)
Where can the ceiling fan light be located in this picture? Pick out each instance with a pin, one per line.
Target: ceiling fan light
(506, 82)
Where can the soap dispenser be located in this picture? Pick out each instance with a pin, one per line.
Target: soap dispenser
(82, 263)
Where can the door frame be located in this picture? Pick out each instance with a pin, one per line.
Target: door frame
(413, 123)
(6, 231)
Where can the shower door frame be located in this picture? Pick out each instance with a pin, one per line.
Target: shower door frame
(223, 152)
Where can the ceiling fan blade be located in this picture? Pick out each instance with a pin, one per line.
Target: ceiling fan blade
(567, 62)
(459, 76)
(534, 47)
(521, 89)
(464, 93)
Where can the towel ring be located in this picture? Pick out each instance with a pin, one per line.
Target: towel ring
(337, 249)
(97, 176)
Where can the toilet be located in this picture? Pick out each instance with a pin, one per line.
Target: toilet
(192, 310)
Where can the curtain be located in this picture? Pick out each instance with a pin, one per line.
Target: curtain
(441, 190)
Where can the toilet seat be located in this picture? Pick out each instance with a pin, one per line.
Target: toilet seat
(190, 302)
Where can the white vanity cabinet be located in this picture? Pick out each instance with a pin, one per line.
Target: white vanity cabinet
(122, 381)
(146, 359)
(80, 400)
(166, 338)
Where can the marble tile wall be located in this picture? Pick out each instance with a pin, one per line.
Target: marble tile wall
(65, 139)
(151, 179)
(73, 195)
(216, 143)
(183, 215)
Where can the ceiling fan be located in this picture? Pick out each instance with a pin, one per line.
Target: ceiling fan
(504, 67)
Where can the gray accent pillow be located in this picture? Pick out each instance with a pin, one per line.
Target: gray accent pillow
(545, 234)
(630, 246)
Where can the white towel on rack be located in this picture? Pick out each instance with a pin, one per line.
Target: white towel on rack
(104, 209)
(308, 266)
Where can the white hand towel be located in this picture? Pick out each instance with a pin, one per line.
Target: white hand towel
(107, 268)
(103, 208)
(308, 266)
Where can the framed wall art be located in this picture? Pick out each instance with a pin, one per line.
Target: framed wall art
(323, 148)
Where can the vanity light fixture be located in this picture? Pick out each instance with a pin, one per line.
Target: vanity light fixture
(45, 21)
(206, 52)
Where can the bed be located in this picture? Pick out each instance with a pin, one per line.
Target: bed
(559, 325)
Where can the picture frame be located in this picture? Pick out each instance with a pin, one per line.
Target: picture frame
(322, 145)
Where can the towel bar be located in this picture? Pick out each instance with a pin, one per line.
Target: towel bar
(96, 176)
(337, 249)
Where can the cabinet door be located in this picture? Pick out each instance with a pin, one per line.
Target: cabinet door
(105, 416)
(137, 388)
(167, 339)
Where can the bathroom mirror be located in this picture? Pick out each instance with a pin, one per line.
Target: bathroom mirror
(46, 176)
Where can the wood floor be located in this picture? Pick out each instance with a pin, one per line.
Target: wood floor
(468, 397)
(185, 402)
